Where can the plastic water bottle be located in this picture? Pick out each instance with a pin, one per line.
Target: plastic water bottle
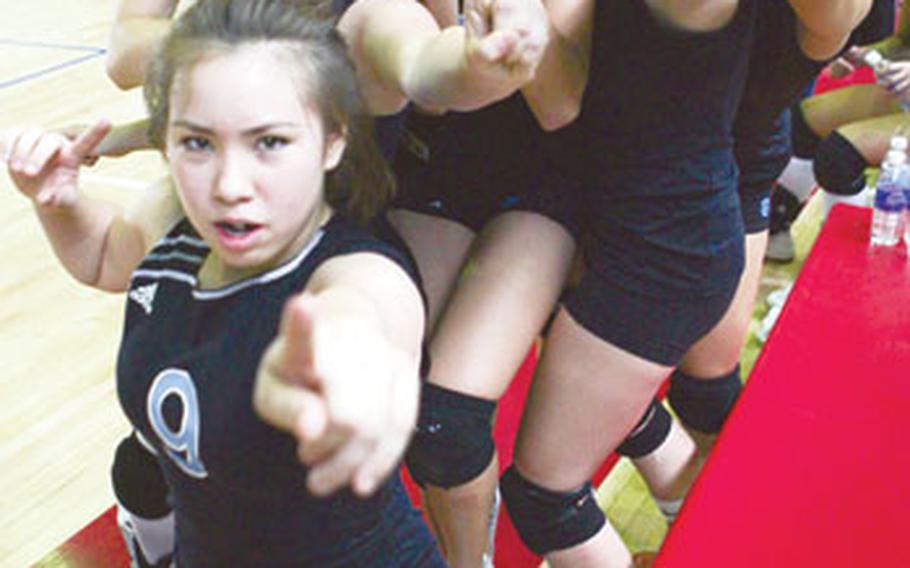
(890, 200)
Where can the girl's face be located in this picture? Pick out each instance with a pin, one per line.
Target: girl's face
(248, 154)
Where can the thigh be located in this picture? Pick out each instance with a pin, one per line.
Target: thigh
(719, 351)
(507, 290)
(829, 111)
(872, 136)
(440, 247)
(586, 397)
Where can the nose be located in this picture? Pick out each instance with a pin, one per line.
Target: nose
(234, 181)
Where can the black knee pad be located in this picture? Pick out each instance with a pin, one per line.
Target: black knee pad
(137, 479)
(550, 520)
(704, 404)
(785, 207)
(454, 439)
(805, 142)
(649, 433)
(839, 167)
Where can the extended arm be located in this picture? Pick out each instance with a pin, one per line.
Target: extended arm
(97, 242)
(342, 375)
(138, 28)
(401, 54)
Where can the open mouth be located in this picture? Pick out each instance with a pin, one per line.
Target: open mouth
(236, 229)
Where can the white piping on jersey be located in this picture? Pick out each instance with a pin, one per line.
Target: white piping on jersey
(169, 274)
(263, 278)
(174, 255)
(182, 239)
(143, 441)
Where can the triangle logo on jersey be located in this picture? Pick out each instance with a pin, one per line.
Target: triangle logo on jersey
(144, 296)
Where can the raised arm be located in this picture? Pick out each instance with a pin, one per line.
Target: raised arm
(825, 25)
(138, 28)
(401, 54)
(342, 375)
(555, 93)
(97, 242)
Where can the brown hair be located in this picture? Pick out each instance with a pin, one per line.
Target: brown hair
(362, 184)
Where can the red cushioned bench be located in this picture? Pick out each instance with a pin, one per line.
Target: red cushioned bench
(812, 468)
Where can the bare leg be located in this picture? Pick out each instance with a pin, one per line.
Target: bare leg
(440, 247)
(829, 111)
(585, 398)
(506, 291)
(717, 353)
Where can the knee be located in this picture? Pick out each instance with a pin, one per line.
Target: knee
(704, 404)
(549, 520)
(839, 167)
(454, 441)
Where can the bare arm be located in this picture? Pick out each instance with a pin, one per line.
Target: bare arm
(401, 54)
(825, 26)
(97, 242)
(342, 375)
(555, 93)
(138, 28)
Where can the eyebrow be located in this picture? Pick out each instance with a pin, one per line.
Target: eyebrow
(248, 132)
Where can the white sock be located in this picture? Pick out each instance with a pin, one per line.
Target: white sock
(798, 178)
(153, 537)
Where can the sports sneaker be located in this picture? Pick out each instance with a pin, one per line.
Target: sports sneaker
(780, 247)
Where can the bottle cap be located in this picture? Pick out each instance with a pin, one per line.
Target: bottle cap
(873, 58)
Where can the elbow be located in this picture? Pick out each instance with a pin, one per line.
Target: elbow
(558, 118)
(554, 115)
(118, 72)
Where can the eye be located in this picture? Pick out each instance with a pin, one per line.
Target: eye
(271, 142)
(195, 143)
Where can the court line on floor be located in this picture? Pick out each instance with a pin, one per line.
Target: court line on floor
(47, 45)
(48, 70)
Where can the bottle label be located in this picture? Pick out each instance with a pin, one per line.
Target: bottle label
(889, 200)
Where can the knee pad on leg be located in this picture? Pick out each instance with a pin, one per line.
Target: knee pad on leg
(137, 479)
(550, 520)
(704, 404)
(839, 167)
(805, 141)
(454, 439)
(649, 433)
(144, 516)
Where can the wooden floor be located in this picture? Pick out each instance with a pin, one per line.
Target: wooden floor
(60, 418)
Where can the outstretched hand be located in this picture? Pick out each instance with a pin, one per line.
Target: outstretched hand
(509, 33)
(896, 78)
(339, 388)
(45, 165)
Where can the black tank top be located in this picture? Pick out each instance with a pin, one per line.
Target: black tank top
(185, 373)
(663, 99)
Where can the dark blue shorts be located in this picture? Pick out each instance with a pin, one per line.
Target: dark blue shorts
(471, 167)
(660, 271)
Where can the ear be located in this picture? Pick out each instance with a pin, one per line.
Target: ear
(335, 144)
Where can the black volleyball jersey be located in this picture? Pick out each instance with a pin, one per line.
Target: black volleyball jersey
(660, 102)
(185, 376)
